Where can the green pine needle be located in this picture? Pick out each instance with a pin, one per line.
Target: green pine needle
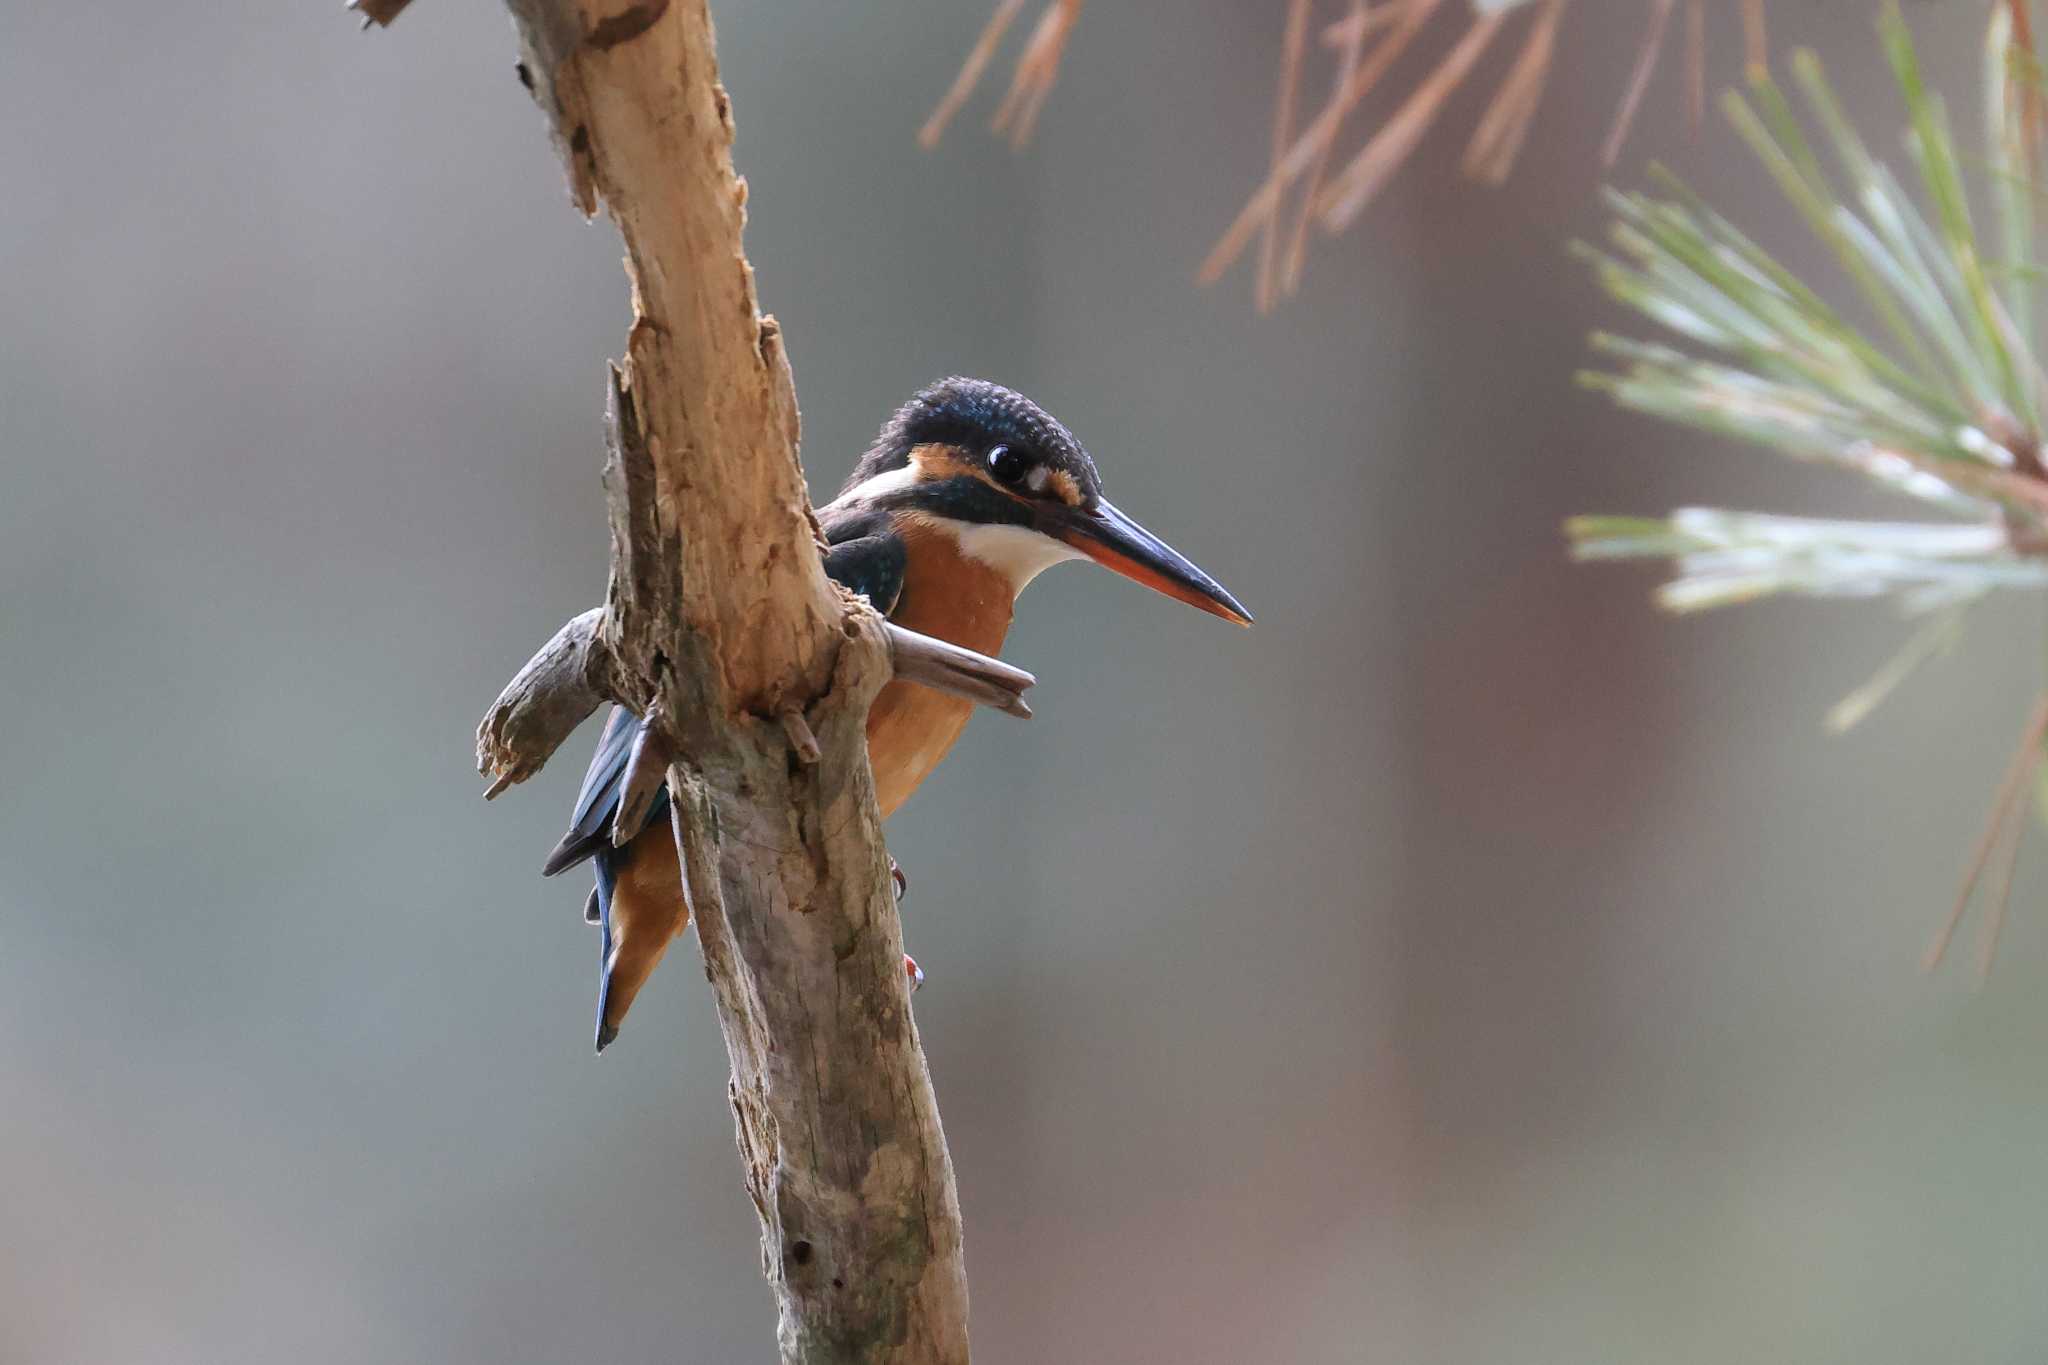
(1942, 403)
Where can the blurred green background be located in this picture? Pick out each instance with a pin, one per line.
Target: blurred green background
(1465, 965)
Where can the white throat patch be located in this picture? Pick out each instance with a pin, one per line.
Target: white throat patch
(1016, 552)
(891, 481)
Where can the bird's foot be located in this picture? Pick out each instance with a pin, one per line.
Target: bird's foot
(910, 967)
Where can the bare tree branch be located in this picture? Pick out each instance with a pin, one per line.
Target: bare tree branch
(721, 624)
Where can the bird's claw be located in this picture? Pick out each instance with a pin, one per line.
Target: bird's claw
(913, 971)
(902, 882)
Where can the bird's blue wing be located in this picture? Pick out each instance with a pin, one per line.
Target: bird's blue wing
(869, 561)
(871, 565)
(590, 824)
(866, 556)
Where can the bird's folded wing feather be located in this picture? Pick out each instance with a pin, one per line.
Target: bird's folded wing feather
(590, 824)
(863, 553)
(866, 557)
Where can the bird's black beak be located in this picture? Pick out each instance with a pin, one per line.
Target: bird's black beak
(1116, 542)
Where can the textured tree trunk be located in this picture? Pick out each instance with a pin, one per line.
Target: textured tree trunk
(721, 624)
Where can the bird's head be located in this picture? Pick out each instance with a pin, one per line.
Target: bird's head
(997, 471)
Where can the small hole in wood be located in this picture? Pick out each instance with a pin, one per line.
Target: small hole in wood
(800, 1253)
(838, 1283)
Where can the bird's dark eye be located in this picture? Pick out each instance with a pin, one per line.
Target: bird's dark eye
(1007, 465)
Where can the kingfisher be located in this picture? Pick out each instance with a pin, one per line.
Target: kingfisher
(969, 492)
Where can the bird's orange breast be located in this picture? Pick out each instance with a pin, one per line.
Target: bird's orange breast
(956, 598)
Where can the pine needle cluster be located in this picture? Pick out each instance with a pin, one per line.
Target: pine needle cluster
(1938, 397)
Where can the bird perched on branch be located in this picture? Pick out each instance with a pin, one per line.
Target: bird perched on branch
(969, 492)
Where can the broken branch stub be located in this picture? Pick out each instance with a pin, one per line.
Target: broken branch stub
(572, 675)
(567, 679)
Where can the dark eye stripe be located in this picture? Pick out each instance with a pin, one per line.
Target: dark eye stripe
(964, 497)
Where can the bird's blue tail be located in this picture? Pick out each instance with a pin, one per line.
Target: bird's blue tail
(606, 880)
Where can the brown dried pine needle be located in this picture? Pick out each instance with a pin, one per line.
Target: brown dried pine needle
(1366, 40)
(1498, 138)
(1319, 137)
(1638, 80)
(1292, 45)
(1369, 41)
(1348, 37)
(1031, 82)
(1345, 197)
(2006, 822)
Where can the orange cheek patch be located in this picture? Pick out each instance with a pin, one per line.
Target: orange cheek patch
(937, 460)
